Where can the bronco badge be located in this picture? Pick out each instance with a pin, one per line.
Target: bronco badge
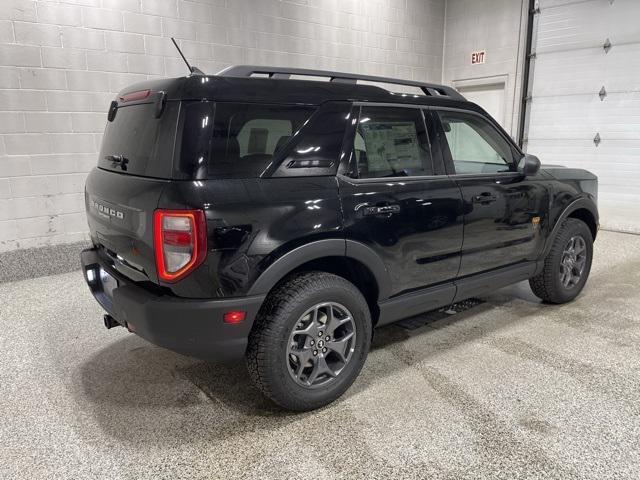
(106, 211)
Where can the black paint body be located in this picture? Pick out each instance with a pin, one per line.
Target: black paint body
(435, 245)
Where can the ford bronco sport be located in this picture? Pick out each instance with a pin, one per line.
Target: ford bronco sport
(258, 214)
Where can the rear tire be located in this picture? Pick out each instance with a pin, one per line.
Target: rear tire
(309, 341)
(567, 266)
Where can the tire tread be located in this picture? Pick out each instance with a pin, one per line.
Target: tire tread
(267, 328)
(545, 285)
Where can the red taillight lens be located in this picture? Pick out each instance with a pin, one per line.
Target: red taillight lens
(178, 239)
(180, 242)
(234, 317)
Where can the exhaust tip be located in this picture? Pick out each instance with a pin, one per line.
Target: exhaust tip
(110, 322)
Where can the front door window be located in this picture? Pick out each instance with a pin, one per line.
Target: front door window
(475, 145)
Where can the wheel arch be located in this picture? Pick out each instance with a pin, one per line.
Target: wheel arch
(349, 259)
(587, 217)
(583, 209)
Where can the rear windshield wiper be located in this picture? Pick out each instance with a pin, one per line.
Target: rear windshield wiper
(118, 160)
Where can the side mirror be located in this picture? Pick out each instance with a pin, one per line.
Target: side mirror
(529, 165)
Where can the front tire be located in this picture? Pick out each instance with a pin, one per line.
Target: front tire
(310, 341)
(567, 266)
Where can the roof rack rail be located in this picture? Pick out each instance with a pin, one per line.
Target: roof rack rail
(431, 89)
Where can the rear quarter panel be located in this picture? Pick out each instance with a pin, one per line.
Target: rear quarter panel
(250, 224)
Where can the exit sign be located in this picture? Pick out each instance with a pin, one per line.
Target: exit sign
(478, 57)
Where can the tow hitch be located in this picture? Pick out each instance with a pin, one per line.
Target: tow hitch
(110, 322)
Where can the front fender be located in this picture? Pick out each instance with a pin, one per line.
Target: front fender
(580, 203)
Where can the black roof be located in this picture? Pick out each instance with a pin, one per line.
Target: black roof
(236, 84)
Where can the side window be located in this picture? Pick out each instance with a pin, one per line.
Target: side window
(260, 136)
(391, 142)
(475, 145)
(246, 136)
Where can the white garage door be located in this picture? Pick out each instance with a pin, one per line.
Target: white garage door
(566, 112)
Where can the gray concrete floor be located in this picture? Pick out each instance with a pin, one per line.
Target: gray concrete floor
(509, 389)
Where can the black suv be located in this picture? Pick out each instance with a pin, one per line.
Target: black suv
(256, 213)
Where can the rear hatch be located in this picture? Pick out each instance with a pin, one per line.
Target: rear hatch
(134, 166)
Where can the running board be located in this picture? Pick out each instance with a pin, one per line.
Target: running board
(489, 281)
(432, 298)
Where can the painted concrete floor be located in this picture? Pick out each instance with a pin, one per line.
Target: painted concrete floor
(508, 389)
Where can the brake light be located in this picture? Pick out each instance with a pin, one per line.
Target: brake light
(135, 96)
(180, 242)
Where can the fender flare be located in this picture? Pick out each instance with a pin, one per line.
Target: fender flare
(332, 247)
(370, 259)
(583, 202)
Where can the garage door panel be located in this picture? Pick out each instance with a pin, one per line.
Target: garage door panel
(582, 116)
(563, 26)
(587, 71)
(559, 3)
(585, 151)
(616, 164)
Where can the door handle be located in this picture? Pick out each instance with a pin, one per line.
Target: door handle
(388, 209)
(485, 198)
(383, 210)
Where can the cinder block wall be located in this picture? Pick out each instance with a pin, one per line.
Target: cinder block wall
(499, 28)
(61, 62)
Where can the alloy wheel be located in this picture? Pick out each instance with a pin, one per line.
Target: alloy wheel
(321, 344)
(573, 261)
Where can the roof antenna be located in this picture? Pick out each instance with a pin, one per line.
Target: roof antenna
(193, 70)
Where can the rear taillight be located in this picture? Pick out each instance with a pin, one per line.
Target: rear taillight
(180, 242)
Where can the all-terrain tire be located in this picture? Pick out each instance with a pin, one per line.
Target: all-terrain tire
(267, 355)
(548, 285)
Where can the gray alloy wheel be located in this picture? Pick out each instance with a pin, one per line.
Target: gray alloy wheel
(321, 344)
(309, 341)
(574, 257)
(567, 265)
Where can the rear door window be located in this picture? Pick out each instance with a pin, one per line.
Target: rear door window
(247, 136)
(392, 142)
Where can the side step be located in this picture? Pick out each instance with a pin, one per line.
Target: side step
(423, 319)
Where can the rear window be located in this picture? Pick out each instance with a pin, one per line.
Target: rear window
(215, 140)
(138, 143)
(247, 136)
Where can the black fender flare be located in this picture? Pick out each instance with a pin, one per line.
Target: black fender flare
(332, 247)
(582, 202)
(370, 259)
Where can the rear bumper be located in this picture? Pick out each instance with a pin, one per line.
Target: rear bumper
(193, 327)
